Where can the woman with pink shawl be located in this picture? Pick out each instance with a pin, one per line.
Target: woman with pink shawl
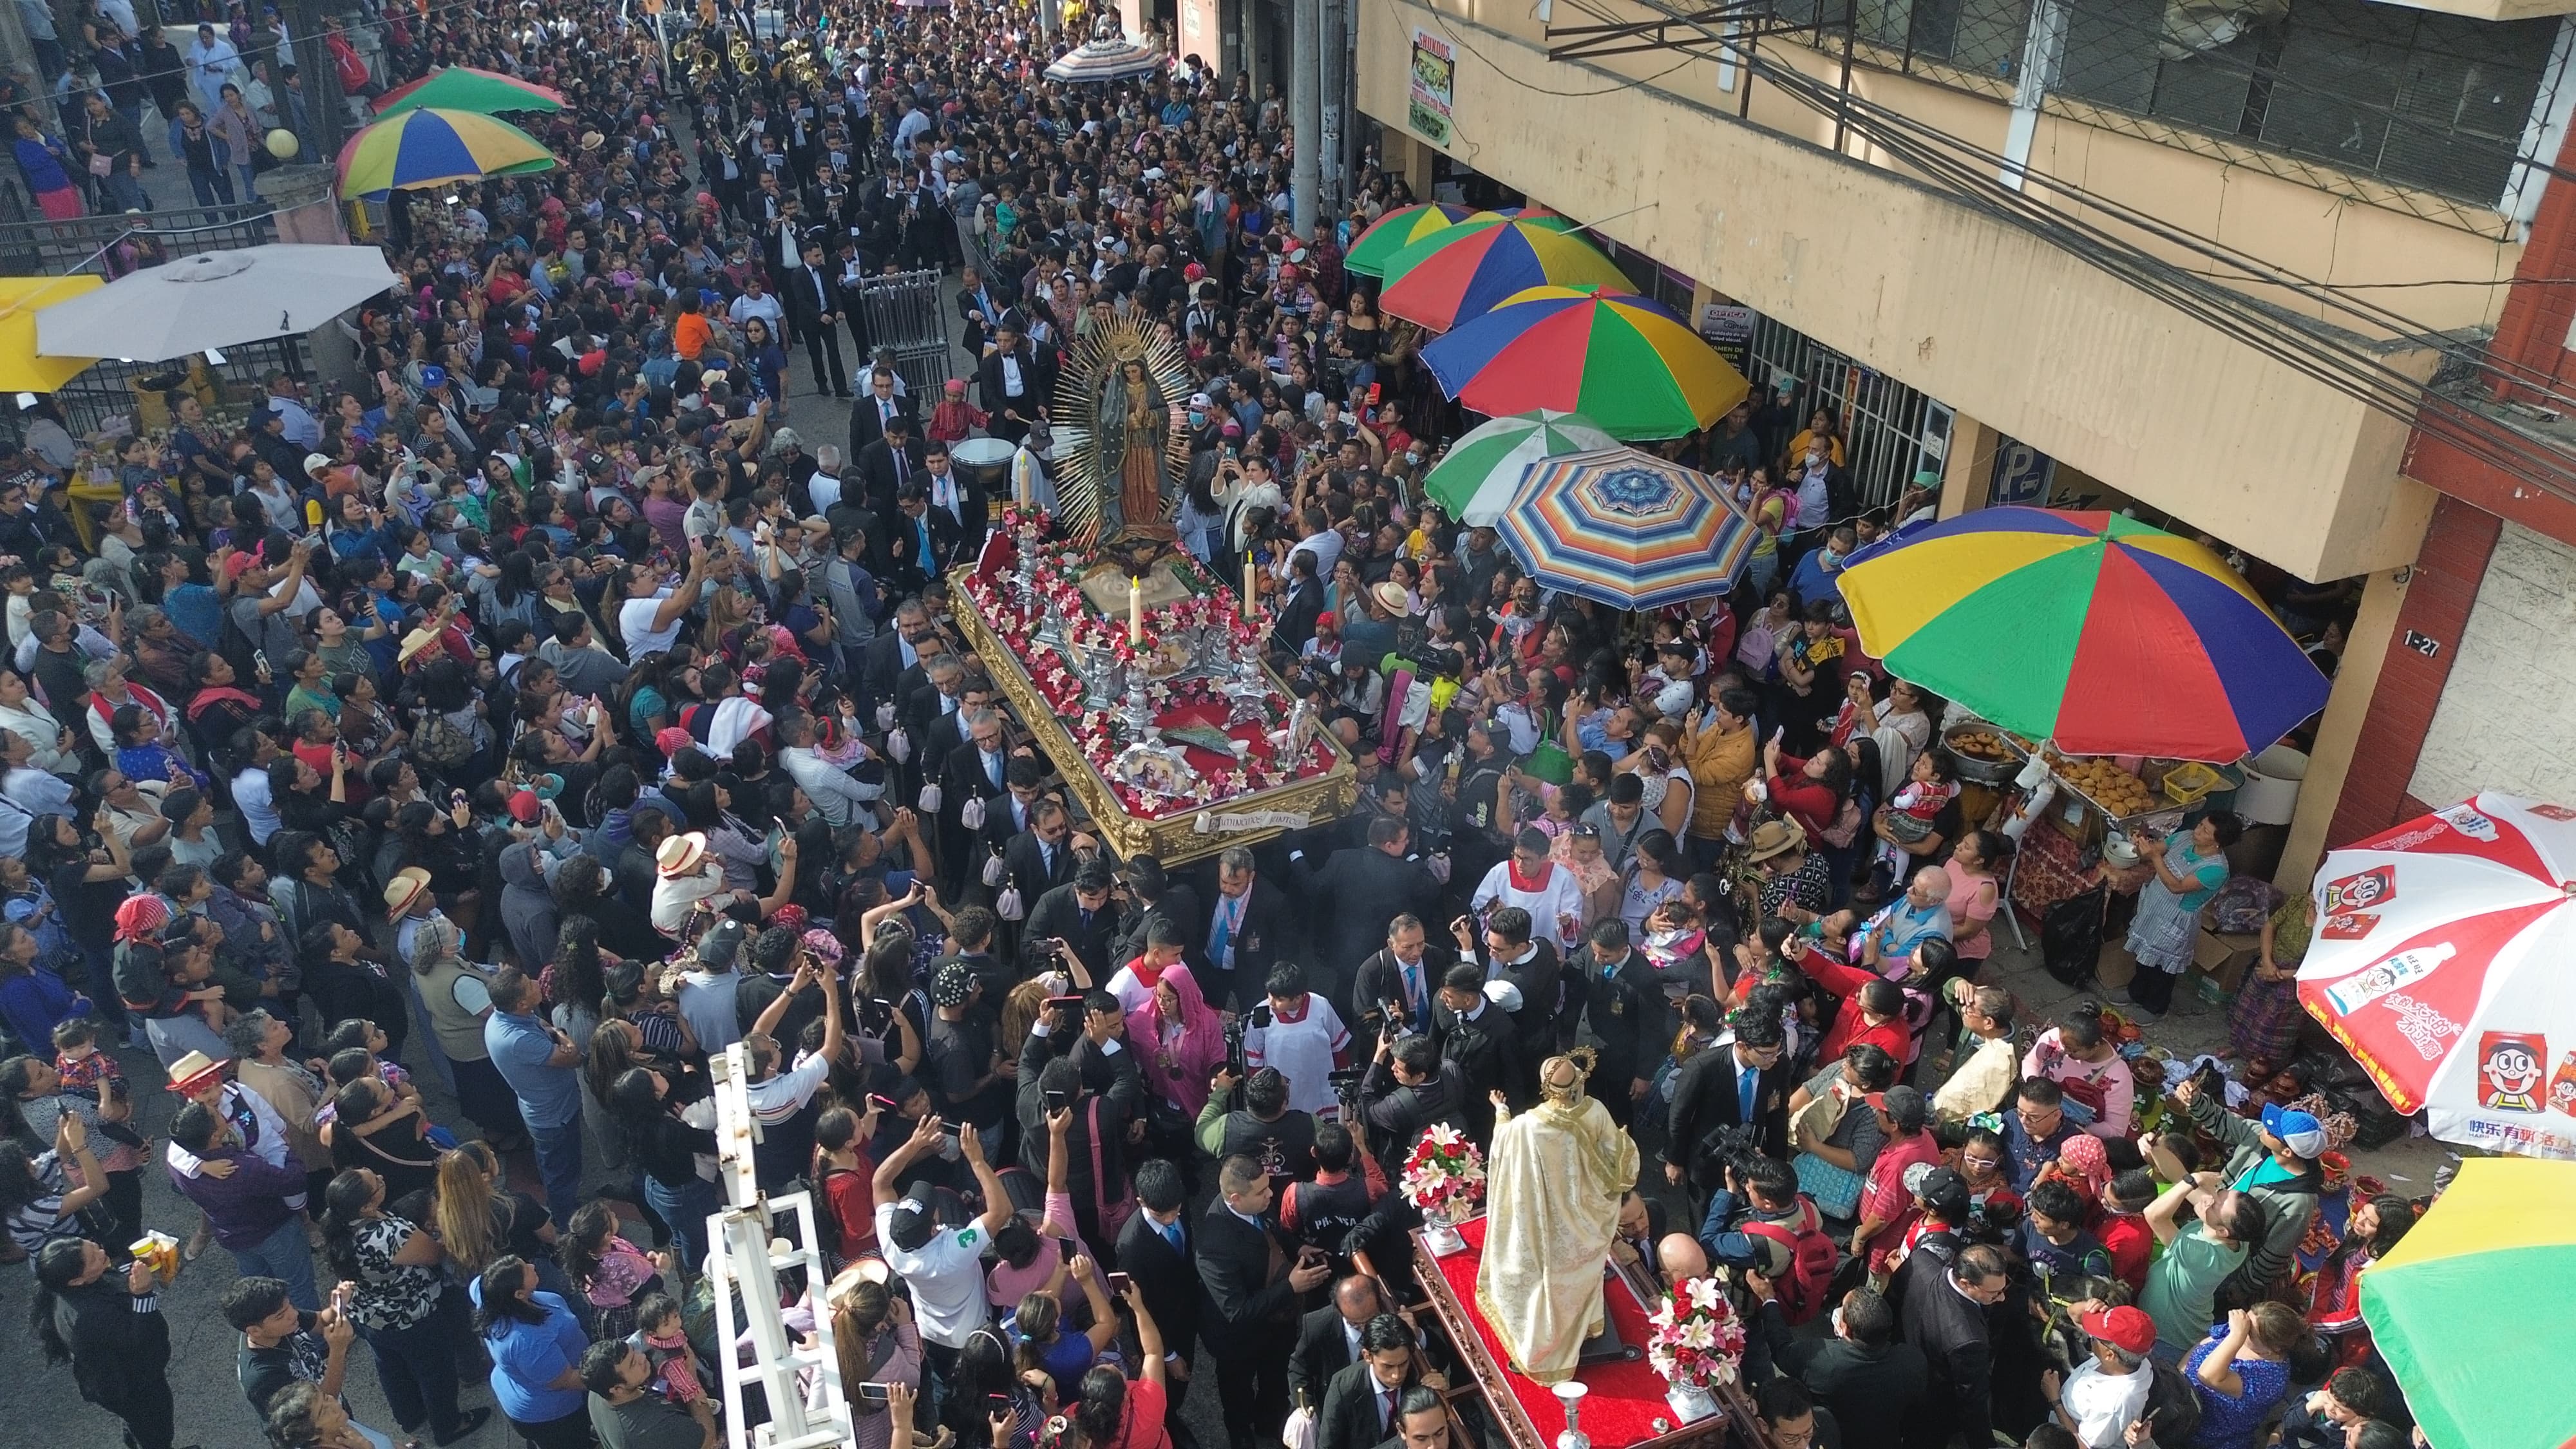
(1180, 1039)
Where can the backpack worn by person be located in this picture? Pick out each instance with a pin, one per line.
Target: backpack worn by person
(1808, 1286)
(439, 744)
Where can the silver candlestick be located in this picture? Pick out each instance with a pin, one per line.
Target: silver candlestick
(1099, 679)
(1028, 572)
(1249, 692)
(1140, 713)
(1570, 1394)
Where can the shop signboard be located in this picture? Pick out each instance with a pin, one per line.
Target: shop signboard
(1729, 329)
(1431, 87)
(2023, 474)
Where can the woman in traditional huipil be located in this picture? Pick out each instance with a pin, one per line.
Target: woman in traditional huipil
(1554, 1184)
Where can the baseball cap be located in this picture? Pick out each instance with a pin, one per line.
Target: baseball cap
(720, 945)
(1944, 1191)
(911, 1223)
(2299, 1131)
(433, 376)
(2127, 1329)
(671, 739)
(955, 983)
(1904, 1104)
(523, 807)
(313, 461)
(1199, 400)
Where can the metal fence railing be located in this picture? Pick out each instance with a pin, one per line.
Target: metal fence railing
(111, 246)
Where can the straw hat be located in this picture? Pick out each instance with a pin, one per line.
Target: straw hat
(415, 644)
(592, 140)
(404, 891)
(1774, 837)
(194, 1073)
(1390, 596)
(681, 854)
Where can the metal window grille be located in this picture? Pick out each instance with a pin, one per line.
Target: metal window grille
(1890, 431)
(2406, 109)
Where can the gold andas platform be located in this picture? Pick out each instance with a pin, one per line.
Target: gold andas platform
(1178, 838)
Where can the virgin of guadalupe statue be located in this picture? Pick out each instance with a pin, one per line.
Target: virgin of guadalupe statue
(1133, 429)
(1553, 1184)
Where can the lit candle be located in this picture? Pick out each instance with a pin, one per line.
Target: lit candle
(1251, 590)
(1135, 610)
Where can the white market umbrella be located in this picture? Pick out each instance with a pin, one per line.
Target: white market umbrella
(1476, 479)
(214, 299)
(2440, 961)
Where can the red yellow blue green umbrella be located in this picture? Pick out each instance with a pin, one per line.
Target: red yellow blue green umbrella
(2101, 633)
(433, 147)
(2462, 1308)
(1465, 270)
(1397, 230)
(1626, 529)
(1621, 360)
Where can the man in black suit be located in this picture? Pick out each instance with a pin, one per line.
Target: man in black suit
(891, 667)
(887, 464)
(1945, 1317)
(1360, 1404)
(1868, 1380)
(1045, 855)
(972, 770)
(1422, 1421)
(1359, 894)
(1249, 1285)
(1079, 915)
(1407, 1088)
(1405, 975)
(1154, 1250)
(981, 303)
(1550, 1002)
(959, 511)
(815, 308)
(870, 414)
(1743, 1080)
(1328, 1339)
(1017, 380)
(1242, 933)
(1294, 622)
(1152, 895)
(922, 542)
(1624, 1007)
(1474, 1035)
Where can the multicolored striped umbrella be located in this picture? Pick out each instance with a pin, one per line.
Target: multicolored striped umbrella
(2478, 1372)
(1107, 57)
(1626, 529)
(1463, 271)
(432, 147)
(463, 88)
(1621, 360)
(2090, 629)
(1477, 478)
(1397, 230)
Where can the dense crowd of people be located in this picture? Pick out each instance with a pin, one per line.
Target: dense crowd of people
(534, 714)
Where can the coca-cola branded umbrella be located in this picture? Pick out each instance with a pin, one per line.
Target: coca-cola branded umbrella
(2442, 961)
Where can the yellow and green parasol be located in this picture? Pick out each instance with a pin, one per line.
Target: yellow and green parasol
(2462, 1308)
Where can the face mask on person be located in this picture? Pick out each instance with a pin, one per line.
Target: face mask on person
(1815, 456)
(1198, 419)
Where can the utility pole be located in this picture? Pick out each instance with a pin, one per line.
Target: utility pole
(1336, 80)
(1306, 109)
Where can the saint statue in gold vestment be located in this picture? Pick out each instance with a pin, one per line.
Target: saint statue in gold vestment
(1553, 1184)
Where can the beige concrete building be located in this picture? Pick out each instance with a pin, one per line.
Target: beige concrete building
(1957, 199)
